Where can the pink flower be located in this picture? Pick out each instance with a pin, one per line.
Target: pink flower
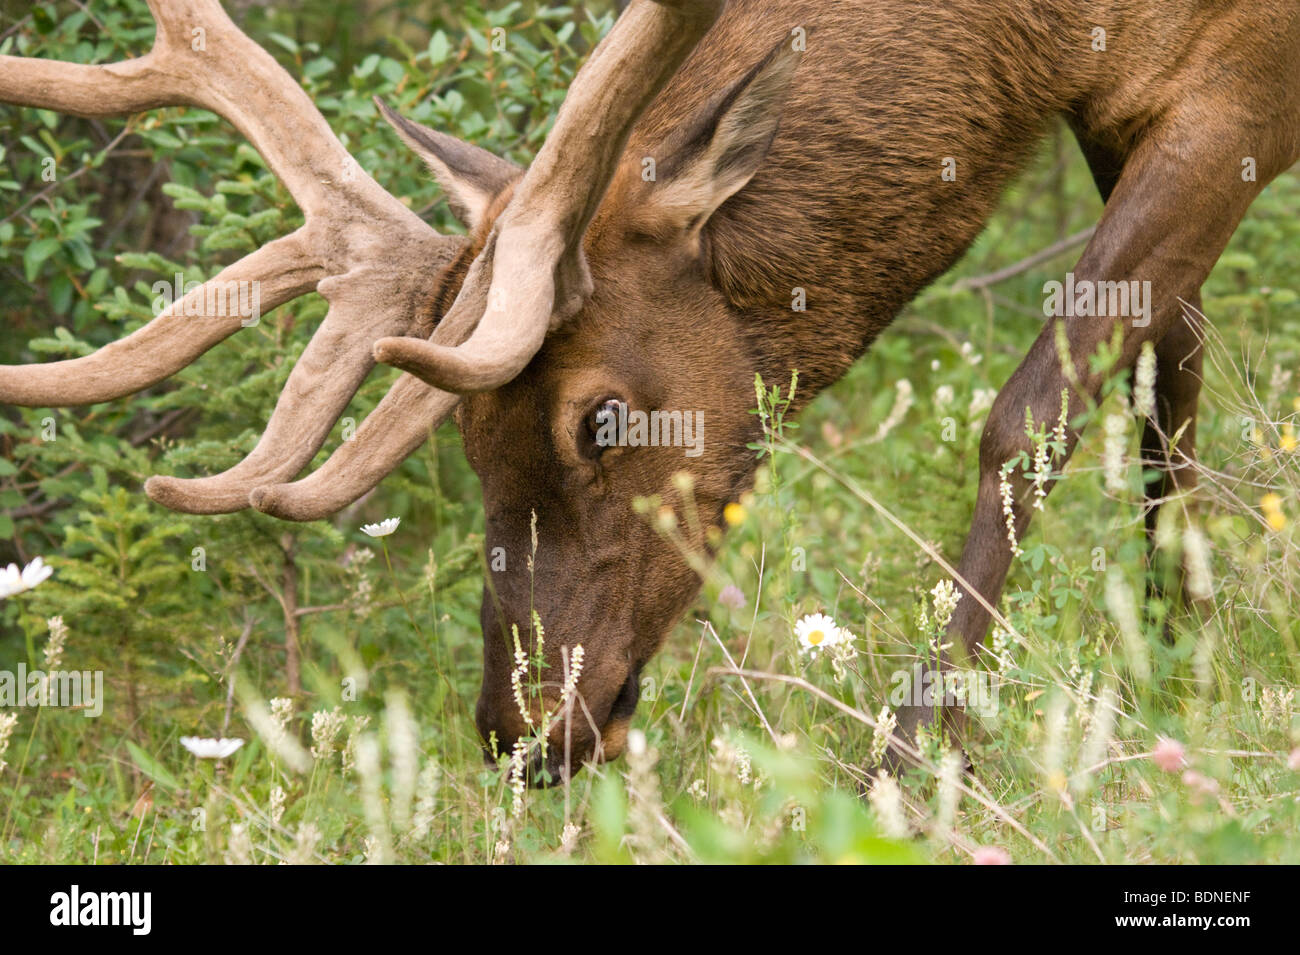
(732, 596)
(1169, 754)
(1293, 761)
(991, 855)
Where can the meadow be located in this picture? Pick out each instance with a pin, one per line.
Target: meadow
(1127, 727)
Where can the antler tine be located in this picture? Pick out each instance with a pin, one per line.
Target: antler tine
(335, 363)
(400, 423)
(539, 277)
(354, 228)
(285, 270)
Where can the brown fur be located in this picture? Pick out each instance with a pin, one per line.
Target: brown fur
(850, 206)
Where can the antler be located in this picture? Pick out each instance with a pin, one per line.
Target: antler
(531, 274)
(373, 259)
(363, 250)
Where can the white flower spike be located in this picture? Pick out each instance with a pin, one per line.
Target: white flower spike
(205, 748)
(382, 529)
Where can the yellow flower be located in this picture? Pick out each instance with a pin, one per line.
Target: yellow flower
(734, 514)
(1271, 505)
(1288, 440)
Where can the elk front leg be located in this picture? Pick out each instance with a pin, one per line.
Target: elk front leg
(1172, 211)
(1169, 438)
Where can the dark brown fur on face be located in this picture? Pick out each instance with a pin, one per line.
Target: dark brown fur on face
(848, 204)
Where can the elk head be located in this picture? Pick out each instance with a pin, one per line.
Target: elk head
(644, 393)
(582, 328)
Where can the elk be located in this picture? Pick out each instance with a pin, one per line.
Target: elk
(796, 144)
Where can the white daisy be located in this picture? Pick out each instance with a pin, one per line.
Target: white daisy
(205, 748)
(14, 581)
(817, 632)
(382, 529)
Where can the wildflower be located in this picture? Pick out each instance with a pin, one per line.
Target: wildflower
(1002, 642)
(363, 591)
(723, 758)
(378, 846)
(1292, 761)
(239, 850)
(981, 400)
(645, 806)
(1199, 582)
(887, 801)
(1008, 508)
(944, 396)
(950, 767)
(325, 728)
(1169, 755)
(517, 676)
(7, 723)
(842, 654)
(281, 713)
(276, 810)
(14, 581)
(54, 646)
(666, 519)
(1288, 441)
(732, 596)
(403, 743)
(991, 855)
(1042, 470)
(743, 766)
(1275, 704)
(426, 800)
(518, 762)
(1271, 505)
(1144, 382)
(571, 678)
(1101, 726)
(569, 838)
(886, 723)
(1113, 453)
(500, 851)
(697, 790)
(1063, 420)
(359, 723)
(305, 846)
(206, 748)
(902, 402)
(734, 514)
(970, 355)
(816, 632)
(382, 529)
(946, 599)
(273, 727)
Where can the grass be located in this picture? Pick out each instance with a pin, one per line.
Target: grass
(752, 751)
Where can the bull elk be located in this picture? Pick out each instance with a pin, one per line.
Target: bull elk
(796, 144)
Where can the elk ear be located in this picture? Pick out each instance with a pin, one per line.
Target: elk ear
(724, 146)
(471, 177)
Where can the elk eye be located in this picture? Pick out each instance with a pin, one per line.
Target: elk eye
(602, 426)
